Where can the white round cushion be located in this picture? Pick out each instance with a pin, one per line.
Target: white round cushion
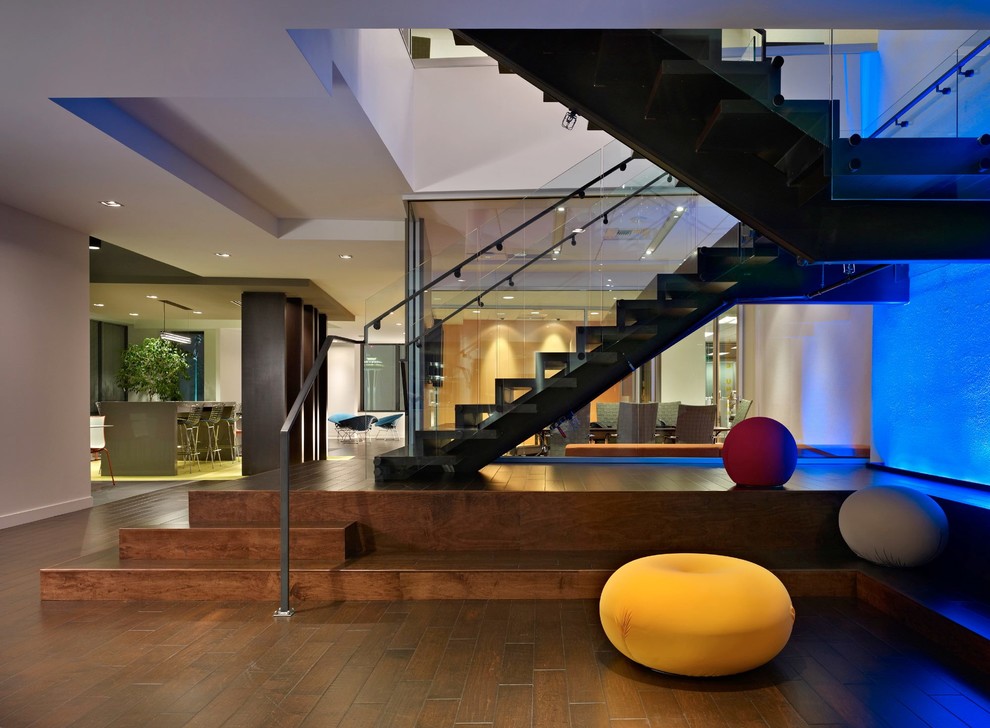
(893, 526)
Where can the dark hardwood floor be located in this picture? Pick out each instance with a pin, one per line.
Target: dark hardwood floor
(432, 663)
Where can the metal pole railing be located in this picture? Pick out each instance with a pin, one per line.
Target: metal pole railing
(579, 192)
(933, 86)
(284, 609)
(534, 259)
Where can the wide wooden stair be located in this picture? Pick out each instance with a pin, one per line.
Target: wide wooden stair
(429, 545)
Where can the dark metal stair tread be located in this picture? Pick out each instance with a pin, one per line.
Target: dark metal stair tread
(457, 434)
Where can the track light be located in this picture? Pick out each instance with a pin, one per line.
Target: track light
(512, 283)
(605, 219)
(569, 120)
(457, 272)
(498, 246)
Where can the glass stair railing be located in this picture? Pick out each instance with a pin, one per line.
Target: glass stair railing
(535, 274)
(532, 335)
(932, 144)
(752, 114)
(669, 307)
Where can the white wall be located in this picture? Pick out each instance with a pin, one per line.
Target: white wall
(458, 128)
(228, 365)
(682, 370)
(343, 379)
(44, 367)
(809, 367)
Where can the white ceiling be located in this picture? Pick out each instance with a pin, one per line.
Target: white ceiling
(224, 83)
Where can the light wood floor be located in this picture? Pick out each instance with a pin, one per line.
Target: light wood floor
(499, 663)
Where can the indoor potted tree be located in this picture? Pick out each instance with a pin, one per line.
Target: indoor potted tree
(154, 368)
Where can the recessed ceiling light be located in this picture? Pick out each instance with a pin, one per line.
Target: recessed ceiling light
(223, 255)
(345, 256)
(198, 312)
(110, 203)
(476, 312)
(398, 323)
(592, 313)
(535, 313)
(99, 305)
(561, 209)
(151, 297)
(679, 208)
(577, 230)
(460, 280)
(95, 243)
(133, 314)
(508, 298)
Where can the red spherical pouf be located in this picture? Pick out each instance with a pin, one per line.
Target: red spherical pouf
(760, 452)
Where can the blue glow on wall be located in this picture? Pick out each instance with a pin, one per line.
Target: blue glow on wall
(869, 90)
(931, 374)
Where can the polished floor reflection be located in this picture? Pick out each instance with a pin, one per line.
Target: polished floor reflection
(499, 663)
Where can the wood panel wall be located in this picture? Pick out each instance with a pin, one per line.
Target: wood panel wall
(790, 526)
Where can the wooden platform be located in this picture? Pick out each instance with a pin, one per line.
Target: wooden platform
(366, 545)
(457, 545)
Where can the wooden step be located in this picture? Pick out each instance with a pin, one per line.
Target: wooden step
(334, 542)
(387, 576)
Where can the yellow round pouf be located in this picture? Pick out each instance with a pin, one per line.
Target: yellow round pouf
(696, 614)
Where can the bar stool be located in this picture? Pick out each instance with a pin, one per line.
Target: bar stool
(229, 420)
(191, 428)
(212, 433)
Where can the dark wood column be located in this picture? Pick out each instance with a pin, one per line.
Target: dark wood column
(263, 367)
(280, 339)
(294, 370)
(322, 395)
(308, 416)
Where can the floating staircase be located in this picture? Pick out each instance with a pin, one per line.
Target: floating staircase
(723, 128)
(743, 268)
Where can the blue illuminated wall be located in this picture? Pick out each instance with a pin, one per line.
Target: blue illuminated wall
(931, 374)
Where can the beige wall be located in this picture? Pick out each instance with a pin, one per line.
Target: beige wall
(44, 316)
(809, 366)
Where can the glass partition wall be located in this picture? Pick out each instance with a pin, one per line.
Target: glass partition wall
(512, 287)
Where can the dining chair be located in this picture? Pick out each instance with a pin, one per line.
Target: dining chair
(695, 423)
(351, 428)
(98, 442)
(387, 425)
(637, 422)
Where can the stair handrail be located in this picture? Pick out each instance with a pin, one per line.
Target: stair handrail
(933, 86)
(530, 260)
(284, 609)
(376, 323)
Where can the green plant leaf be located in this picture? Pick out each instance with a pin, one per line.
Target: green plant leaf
(154, 367)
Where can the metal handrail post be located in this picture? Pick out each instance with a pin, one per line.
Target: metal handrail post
(284, 609)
